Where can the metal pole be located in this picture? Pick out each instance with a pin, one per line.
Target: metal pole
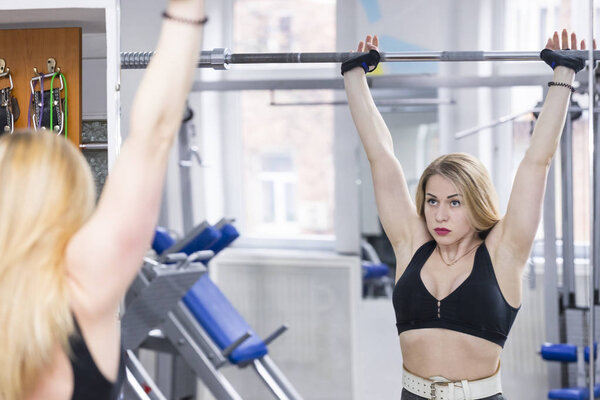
(568, 249)
(185, 164)
(93, 146)
(221, 58)
(596, 195)
(508, 118)
(551, 293)
(499, 121)
(590, 56)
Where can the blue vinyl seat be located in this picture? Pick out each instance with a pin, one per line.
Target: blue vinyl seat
(207, 303)
(222, 322)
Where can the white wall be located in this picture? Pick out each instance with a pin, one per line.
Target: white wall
(93, 101)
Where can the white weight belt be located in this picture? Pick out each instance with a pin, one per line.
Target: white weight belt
(440, 388)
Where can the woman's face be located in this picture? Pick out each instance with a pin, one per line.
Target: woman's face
(446, 214)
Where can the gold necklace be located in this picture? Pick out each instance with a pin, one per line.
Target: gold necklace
(456, 260)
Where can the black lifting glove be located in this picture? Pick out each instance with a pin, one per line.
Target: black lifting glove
(553, 59)
(368, 62)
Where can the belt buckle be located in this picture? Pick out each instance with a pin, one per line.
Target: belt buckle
(433, 388)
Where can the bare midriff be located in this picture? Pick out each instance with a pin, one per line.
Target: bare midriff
(453, 355)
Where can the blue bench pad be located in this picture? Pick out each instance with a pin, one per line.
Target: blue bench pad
(221, 321)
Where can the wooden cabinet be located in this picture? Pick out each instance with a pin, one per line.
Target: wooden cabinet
(24, 49)
(98, 79)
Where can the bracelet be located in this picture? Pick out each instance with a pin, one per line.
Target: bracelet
(562, 84)
(198, 22)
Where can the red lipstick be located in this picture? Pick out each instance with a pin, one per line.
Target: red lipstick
(442, 231)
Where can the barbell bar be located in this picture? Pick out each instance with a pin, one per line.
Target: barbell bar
(221, 58)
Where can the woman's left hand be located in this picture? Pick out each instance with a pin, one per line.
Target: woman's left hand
(553, 43)
(370, 43)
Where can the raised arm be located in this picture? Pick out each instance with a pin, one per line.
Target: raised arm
(105, 255)
(518, 228)
(396, 210)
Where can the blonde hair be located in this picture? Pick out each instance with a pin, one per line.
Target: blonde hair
(472, 181)
(46, 194)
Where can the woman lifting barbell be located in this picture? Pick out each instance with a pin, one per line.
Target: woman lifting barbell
(459, 262)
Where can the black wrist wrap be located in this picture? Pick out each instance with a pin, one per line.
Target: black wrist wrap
(368, 62)
(553, 59)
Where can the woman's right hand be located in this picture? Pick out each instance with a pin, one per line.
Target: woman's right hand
(370, 43)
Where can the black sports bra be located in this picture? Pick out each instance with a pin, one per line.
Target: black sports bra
(89, 382)
(477, 307)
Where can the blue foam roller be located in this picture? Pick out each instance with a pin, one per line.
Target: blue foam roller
(162, 240)
(371, 270)
(559, 352)
(228, 235)
(203, 241)
(577, 393)
(586, 353)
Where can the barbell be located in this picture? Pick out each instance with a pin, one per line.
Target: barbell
(221, 58)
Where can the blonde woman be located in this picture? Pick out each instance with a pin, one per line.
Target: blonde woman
(65, 266)
(459, 263)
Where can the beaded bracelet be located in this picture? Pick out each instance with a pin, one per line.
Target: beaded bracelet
(199, 22)
(562, 84)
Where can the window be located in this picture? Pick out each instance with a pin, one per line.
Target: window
(278, 190)
(287, 163)
(285, 144)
